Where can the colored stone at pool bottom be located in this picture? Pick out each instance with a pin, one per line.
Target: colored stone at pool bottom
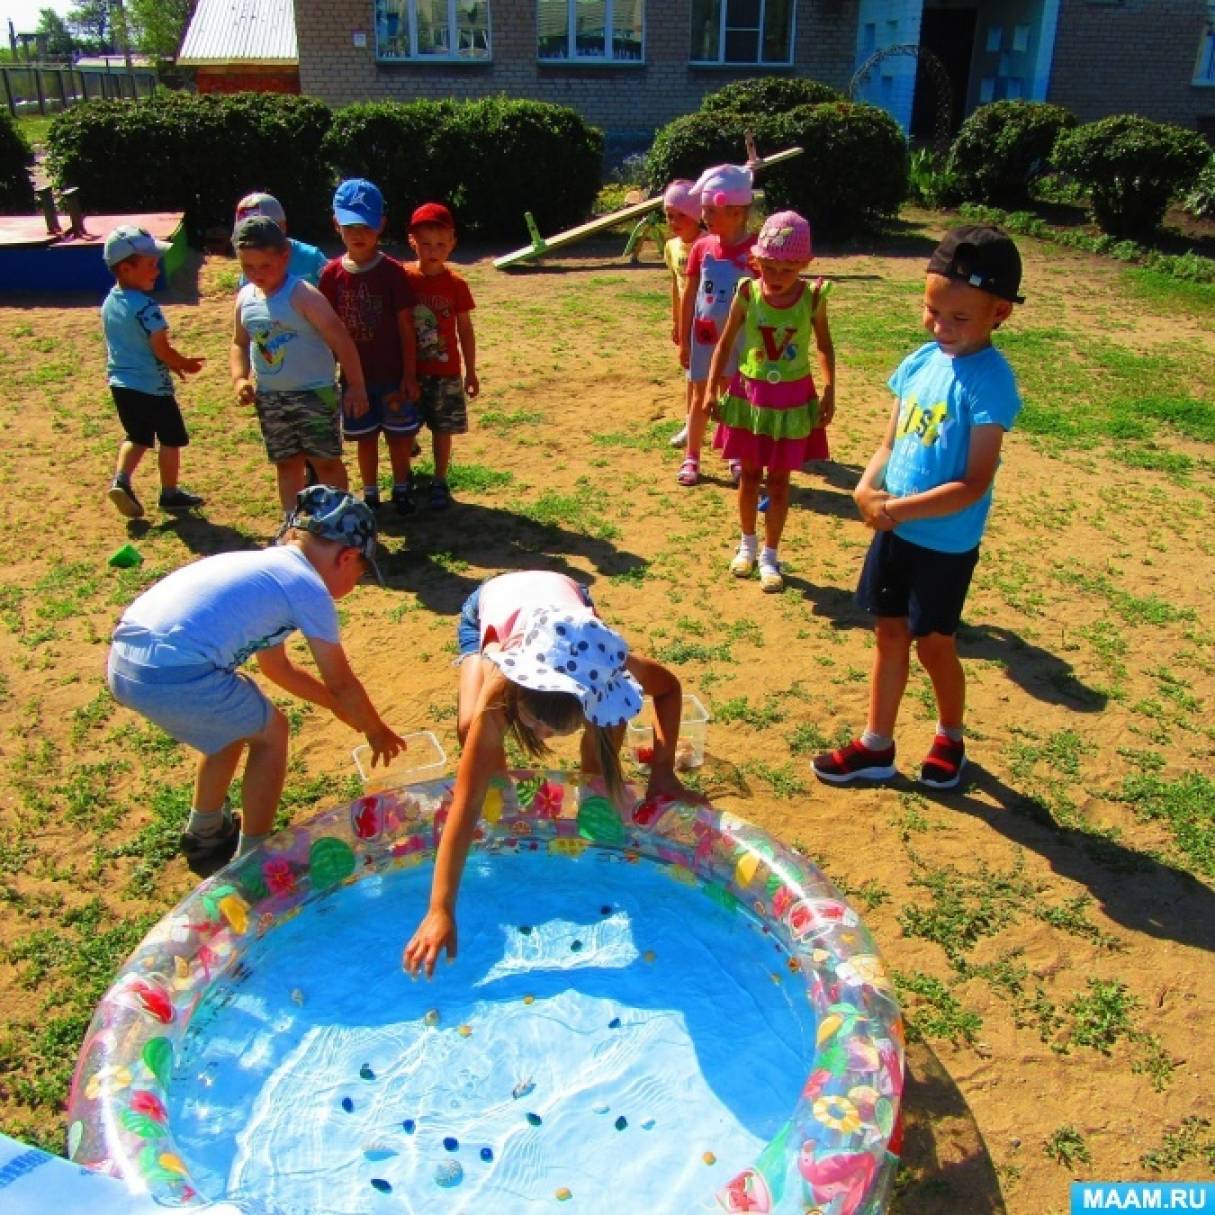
(487, 1154)
(535, 1119)
(451, 1143)
(378, 1183)
(449, 1174)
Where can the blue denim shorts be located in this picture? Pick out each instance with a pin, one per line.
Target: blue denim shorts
(405, 420)
(202, 706)
(468, 625)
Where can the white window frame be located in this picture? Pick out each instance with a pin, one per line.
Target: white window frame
(609, 40)
(471, 54)
(722, 28)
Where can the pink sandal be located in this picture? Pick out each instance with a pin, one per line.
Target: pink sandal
(689, 471)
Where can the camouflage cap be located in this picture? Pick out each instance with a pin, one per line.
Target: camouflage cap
(333, 514)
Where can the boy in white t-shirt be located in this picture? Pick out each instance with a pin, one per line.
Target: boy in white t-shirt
(176, 653)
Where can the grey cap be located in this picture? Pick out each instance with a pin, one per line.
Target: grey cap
(127, 240)
(261, 203)
(259, 232)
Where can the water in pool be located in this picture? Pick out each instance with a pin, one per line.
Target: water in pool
(608, 1037)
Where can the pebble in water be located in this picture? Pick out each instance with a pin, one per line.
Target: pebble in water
(449, 1173)
(464, 1031)
(348, 1105)
(432, 1017)
(563, 1194)
(606, 909)
(575, 946)
(526, 929)
(709, 1158)
(523, 1088)
(365, 1072)
(614, 1023)
(451, 1143)
(529, 999)
(648, 956)
(297, 997)
(379, 1151)
(621, 1122)
(409, 1126)
(378, 1183)
(535, 1119)
(647, 1124)
(600, 1107)
(487, 1154)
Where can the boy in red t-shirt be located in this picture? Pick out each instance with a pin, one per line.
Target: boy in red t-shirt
(442, 307)
(370, 293)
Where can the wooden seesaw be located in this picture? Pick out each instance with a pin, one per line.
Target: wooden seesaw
(541, 245)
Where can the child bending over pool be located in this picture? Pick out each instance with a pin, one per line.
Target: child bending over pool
(535, 663)
(177, 651)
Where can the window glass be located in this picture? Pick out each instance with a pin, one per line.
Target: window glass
(742, 31)
(445, 29)
(590, 29)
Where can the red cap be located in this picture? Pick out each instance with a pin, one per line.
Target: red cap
(431, 213)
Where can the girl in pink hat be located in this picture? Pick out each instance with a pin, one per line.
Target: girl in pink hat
(681, 206)
(771, 416)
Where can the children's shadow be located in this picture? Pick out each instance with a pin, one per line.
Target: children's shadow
(1042, 674)
(945, 1164)
(198, 533)
(1142, 894)
(443, 545)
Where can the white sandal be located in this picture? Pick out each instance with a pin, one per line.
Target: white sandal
(689, 471)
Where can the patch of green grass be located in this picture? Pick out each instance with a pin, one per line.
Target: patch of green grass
(1191, 1140)
(739, 708)
(1066, 1146)
(1102, 1015)
(477, 478)
(784, 780)
(808, 739)
(573, 512)
(655, 436)
(1132, 608)
(503, 420)
(635, 575)
(1186, 805)
(680, 651)
(91, 716)
(933, 1011)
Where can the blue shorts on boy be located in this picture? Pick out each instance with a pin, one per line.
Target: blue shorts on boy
(925, 585)
(941, 401)
(175, 654)
(400, 418)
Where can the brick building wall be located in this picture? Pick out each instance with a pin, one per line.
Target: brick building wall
(1131, 56)
(624, 98)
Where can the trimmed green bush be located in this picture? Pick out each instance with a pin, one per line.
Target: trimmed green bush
(507, 156)
(16, 158)
(852, 175)
(199, 154)
(771, 95)
(1200, 199)
(399, 146)
(1003, 147)
(1132, 168)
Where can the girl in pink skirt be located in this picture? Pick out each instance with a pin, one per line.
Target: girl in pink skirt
(771, 417)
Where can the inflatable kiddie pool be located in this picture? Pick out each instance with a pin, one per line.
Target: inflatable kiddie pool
(662, 1011)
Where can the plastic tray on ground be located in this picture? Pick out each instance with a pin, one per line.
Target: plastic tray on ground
(693, 729)
(422, 759)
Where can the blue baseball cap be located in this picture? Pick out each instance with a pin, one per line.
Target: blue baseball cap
(358, 201)
(333, 514)
(127, 240)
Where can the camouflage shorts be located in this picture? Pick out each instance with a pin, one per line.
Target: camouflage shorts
(305, 423)
(442, 404)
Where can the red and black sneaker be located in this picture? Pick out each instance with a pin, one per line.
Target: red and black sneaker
(942, 766)
(854, 762)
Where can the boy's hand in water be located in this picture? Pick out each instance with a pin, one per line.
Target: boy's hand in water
(434, 934)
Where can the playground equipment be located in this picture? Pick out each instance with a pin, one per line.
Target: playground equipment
(51, 252)
(646, 212)
(652, 1009)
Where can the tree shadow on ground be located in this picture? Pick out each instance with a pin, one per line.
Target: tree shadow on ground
(1133, 889)
(442, 545)
(946, 1167)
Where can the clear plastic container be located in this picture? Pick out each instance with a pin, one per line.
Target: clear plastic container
(690, 746)
(422, 759)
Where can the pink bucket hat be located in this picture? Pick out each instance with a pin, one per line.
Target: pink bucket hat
(679, 196)
(724, 186)
(785, 237)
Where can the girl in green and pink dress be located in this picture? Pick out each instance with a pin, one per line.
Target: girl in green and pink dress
(771, 416)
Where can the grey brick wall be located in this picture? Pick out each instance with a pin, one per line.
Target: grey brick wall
(623, 98)
(1133, 56)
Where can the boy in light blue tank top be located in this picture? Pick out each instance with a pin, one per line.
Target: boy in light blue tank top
(927, 492)
(285, 337)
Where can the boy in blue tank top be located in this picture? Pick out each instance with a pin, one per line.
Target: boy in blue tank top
(285, 337)
(927, 492)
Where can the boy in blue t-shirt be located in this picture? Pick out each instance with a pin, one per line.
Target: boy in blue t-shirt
(307, 261)
(927, 492)
(139, 359)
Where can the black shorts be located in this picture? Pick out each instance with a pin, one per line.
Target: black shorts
(146, 418)
(927, 586)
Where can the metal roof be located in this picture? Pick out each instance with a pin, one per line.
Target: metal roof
(240, 31)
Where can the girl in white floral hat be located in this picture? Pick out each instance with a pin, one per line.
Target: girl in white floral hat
(536, 663)
(771, 414)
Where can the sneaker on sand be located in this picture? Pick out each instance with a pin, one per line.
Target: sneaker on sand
(178, 499)
(371, 498)
(680, 437)
(123, 497)
(206, 853)
(854, 762)
(942, 766)
(402, 499)
(743, 564)
(770, 577)
(440, 495)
